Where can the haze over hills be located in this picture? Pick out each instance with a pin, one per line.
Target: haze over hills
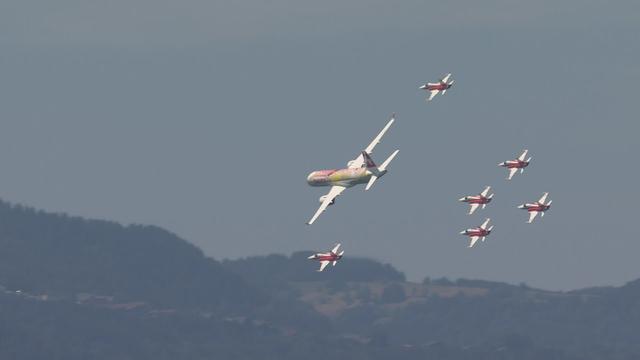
(76, 289)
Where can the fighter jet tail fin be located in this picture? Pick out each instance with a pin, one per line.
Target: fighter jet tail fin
(380, 170)
(444, 91)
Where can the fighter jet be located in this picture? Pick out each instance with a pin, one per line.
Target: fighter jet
(537, 207)
(514, 165)
(478, 233)
(360, 170)
(434, 88)
(326, 258)
(477, 200)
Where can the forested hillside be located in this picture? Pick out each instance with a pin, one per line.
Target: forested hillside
(61, 256)
(72, 288)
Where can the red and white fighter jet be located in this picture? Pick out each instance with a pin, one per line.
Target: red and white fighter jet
(434, 88)
(519, 163)
(480, 232)
(326, 258)
(536, 207)
(476, 200)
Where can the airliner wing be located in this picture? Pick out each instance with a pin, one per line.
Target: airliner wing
(473, 240)
(512, 172)
(323, 264)
(359, 161)
(485, 191)
(473, 208)
(532, 215)
(543, 198)
(446, 78)
(331, 195)
(433, 94)
(524, 154)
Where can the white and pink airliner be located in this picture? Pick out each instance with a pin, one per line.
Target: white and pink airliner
(476, 200)
(480, 232)
(325, 258)
(518, 164)
(434, 88)
(361, 170)
(537, 207)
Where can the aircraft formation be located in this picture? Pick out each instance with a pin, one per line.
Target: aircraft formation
(482, 199)
(363, 170)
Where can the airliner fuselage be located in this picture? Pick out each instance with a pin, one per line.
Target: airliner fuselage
(341, 177)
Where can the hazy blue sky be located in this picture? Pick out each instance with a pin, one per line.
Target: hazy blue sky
(205, 117)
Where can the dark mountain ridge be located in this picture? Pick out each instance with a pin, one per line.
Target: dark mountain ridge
(72, 288)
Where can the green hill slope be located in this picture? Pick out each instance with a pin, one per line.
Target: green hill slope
(72, 288)
(61, 256)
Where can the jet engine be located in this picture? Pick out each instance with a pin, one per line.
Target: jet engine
(324, 197)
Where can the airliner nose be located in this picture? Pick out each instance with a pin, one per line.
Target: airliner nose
(310, 177)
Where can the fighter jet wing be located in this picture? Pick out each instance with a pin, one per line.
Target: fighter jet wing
(485, 191)
(331, 195)
(524, 154)
(433, 94)
(446, 78)
(323, 264)
(335, 249)
(485, 223)
(473, 240)
(512, 172)
(473, 208)
(359, 161)
(543, 198)
(532, 215)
